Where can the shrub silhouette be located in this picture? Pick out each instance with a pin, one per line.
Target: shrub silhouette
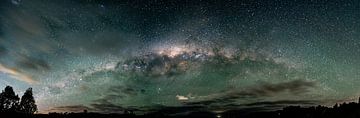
(9, 102)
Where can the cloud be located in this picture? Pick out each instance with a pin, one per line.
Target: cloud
(32, 63)
(283, 102)
(227, 100)
(17, 75)
(115, 93)
(267, 105)
(73, 108)
(244, 108)
(108, 108)
(295, 87)
(103, 108)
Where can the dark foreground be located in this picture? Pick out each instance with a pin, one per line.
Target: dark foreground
(346, 110)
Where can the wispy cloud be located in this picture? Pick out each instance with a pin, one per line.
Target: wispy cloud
(294, 87)
(32, 63)
(73, 108)
(17, 75)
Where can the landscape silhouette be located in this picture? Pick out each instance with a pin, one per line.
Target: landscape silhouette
(12, 106)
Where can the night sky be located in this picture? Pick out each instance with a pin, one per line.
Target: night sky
(216, 55)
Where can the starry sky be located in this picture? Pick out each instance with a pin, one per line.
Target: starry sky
(217, 55)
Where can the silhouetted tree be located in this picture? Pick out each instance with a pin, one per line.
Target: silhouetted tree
(27, 104)
(8, 100)
(336, 106)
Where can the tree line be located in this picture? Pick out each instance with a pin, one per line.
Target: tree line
(11, 103)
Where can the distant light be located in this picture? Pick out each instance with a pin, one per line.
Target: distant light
(218, 116)
(179, 97)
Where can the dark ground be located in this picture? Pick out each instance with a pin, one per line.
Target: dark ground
(345, 110)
